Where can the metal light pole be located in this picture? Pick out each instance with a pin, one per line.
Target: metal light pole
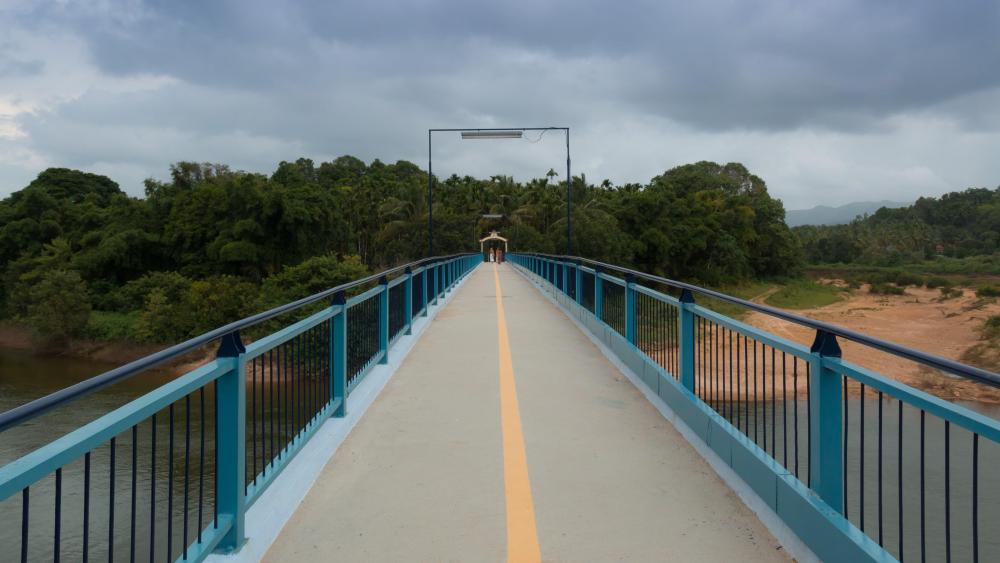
(496, 133)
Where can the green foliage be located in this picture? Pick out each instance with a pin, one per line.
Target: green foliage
(938, 282)
(56, 306)
(991, 327)
(205, 305)
(109, 325)
(885, 288)
(805, 294)
(213, 244)
(311, 276)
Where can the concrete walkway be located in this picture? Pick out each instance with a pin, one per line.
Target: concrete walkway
(431, 471)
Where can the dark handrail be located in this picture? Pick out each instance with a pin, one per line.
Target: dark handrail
(937, 362)
(27, 411)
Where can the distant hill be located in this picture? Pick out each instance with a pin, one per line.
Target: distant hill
(825, 215)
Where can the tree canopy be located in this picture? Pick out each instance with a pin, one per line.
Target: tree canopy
(212, 244)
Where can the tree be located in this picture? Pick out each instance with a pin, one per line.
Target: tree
(57, 307)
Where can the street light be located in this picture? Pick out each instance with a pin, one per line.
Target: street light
(496, 133)
(492, 134)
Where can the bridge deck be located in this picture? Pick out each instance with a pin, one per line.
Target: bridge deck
(422, 476)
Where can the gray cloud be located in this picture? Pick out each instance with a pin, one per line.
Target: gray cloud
(890, 95)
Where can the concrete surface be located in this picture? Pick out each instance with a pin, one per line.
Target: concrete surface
(421, 476)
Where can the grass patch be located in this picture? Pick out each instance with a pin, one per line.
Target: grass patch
(748, 291)
(805, 294)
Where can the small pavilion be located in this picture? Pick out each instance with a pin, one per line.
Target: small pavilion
(491, 242)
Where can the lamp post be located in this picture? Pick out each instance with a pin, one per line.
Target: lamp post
(495, 133)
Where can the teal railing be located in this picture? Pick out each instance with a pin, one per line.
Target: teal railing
(856, 464)
(170, 475)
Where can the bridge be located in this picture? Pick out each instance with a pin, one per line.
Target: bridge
(548, 408)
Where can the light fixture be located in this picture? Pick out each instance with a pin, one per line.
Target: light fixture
(508, 134)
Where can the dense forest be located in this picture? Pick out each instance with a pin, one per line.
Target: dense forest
(957, 226)
(81, 258)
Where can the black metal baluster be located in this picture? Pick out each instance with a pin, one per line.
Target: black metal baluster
(845, 450)
(170, 487)
(730, 346)
(187, 468)
(253, 415)
(25, 504)
(774, 408)
(56, 543)
(947, 490)
(215, 458)
(808, 423)
(975, 498)
(111, 503)
(923, 512)
(152, 489)
(288, 392)
(784, 409)
(899, 477)
(86, 507)
(861, 458)
(201, 462)
(756, 413)
(270, 404)
(795, 413)
(737, 405)
(880, 522)
(135, 462)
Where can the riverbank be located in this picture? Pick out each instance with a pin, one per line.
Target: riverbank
(119, 352)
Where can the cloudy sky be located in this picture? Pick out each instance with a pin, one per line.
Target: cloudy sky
(828, 101)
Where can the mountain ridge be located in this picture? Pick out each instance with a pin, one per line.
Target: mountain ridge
(837, 215)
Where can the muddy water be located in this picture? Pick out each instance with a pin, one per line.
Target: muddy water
(24, 377)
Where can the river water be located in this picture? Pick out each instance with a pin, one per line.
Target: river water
(24, 377)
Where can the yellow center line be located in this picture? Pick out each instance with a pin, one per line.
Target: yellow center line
(522, 535)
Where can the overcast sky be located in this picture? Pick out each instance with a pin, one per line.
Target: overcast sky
(828, 101)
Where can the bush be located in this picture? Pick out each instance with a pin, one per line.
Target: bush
(950, 292)
(991, 327)
(886, 289)
(988, 291)
(109, 325)
(936, 282)
(906, 278)
(207, 304)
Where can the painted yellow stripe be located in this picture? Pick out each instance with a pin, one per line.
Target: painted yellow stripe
(522, 535)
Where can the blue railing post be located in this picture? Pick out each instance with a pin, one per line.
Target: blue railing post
(423, 291)
(598, 295)
(826, 460)
(630, 309)
(436, 268)
(230, 441)
(565, 278)
(383, 320)
(687, 339)
(578, 284)
(338, 354)
(408, 305)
